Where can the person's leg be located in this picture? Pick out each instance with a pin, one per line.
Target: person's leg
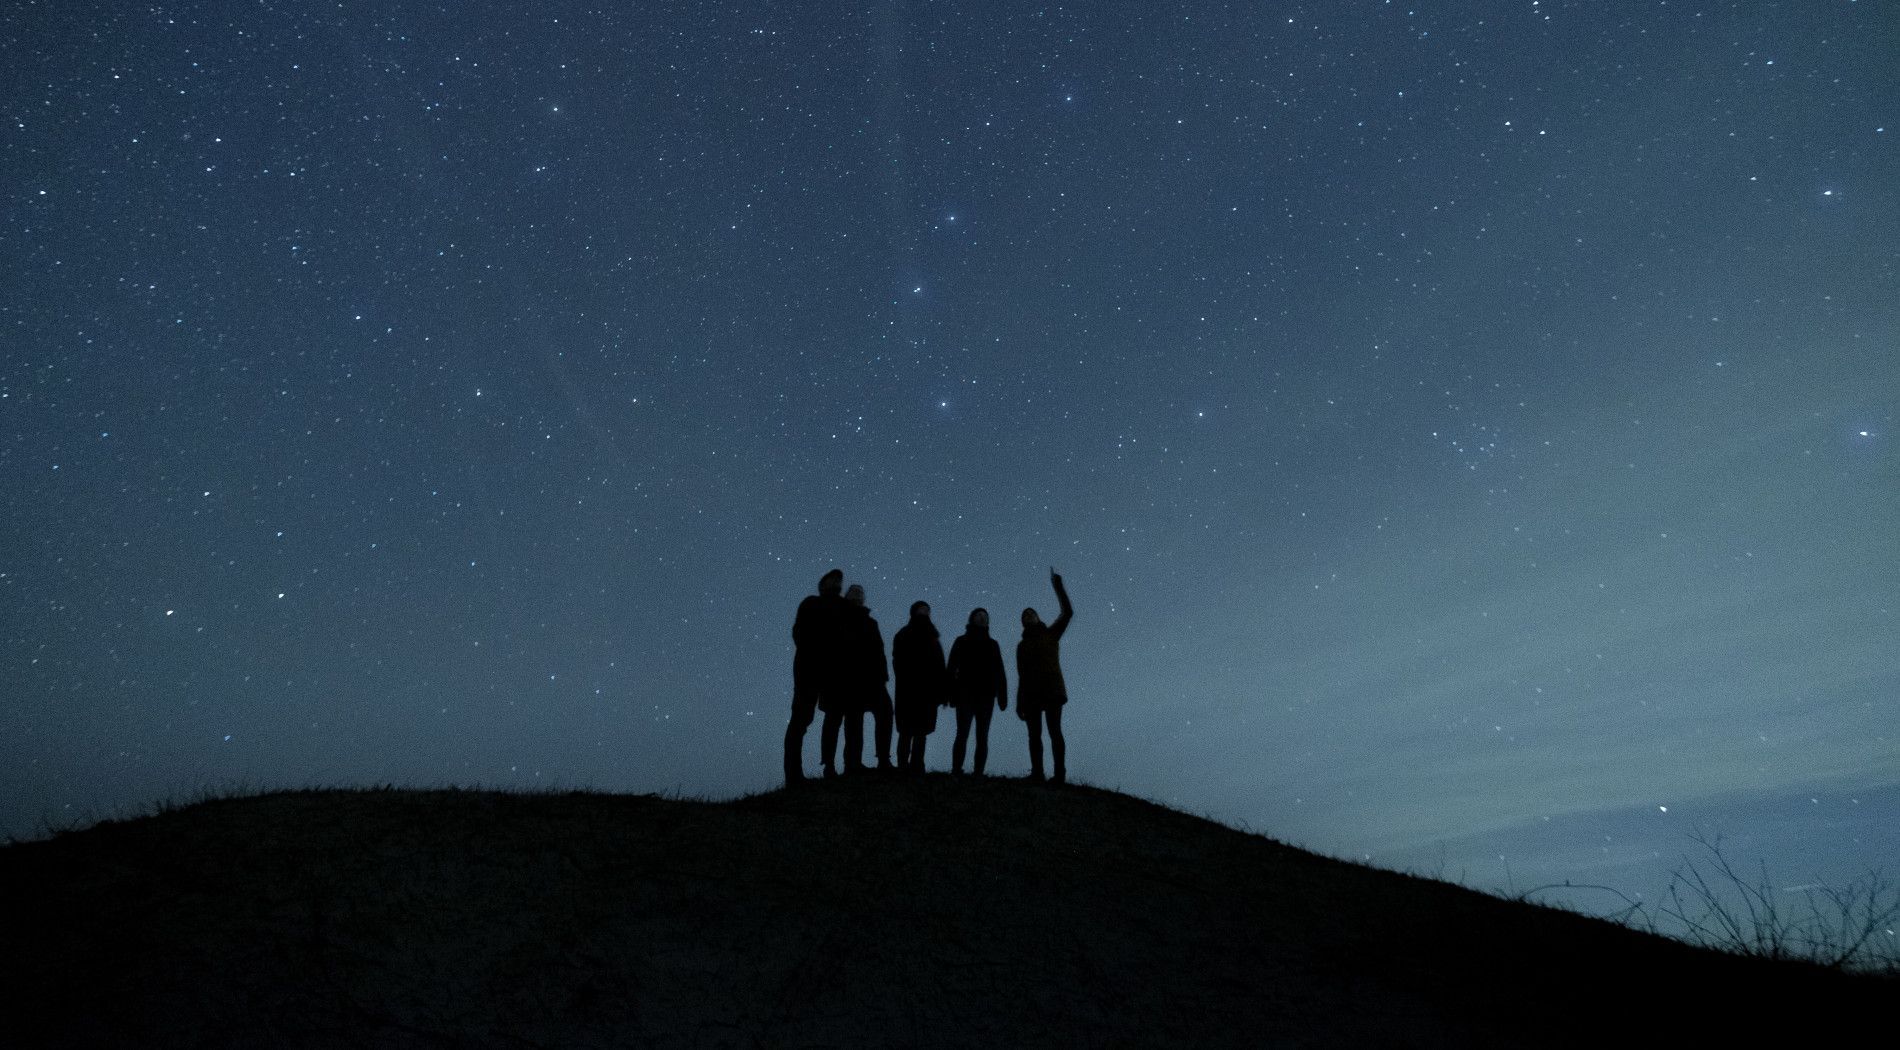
(1056, 748)
(982, 737)
(828, 739)
(903, 748)
(917, 757)
(881, 715)
(854, 741)
(964, 715)
(804, 706)
(1034, 722)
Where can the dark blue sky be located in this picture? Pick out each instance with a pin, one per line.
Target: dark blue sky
(1467, 429)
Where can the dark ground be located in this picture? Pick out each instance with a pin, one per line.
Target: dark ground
(945, 912)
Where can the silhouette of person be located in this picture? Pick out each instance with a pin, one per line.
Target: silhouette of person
(1040, 692)
(866, 671)
(917, 660)
(814, 667)
(976, 680)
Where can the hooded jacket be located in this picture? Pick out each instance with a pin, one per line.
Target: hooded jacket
(917, 657)
(976, 671)
(863, 666)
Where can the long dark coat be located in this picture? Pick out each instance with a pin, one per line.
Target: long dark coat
(917, 657)
(863, 667)
(976, 671)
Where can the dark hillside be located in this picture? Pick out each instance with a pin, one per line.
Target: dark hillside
(945, 912)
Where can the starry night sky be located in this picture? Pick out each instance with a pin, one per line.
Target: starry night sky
(1467, 430)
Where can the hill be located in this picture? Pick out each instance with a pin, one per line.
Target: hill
(940, 912)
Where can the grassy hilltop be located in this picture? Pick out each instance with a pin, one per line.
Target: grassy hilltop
(941, 912)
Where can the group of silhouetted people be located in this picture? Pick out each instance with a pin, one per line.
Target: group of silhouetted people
(840, 669)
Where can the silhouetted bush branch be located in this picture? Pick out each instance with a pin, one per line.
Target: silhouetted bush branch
(1630, 915)
(1711, 903)
(1850, 927)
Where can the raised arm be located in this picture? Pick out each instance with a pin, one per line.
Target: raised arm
(1062, 596)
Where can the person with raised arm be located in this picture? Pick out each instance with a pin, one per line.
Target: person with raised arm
(1040, 692)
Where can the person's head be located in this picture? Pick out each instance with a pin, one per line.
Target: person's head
(831, 583)
(980, 618)
(920, 610)
(855, 595)
(1030, 619)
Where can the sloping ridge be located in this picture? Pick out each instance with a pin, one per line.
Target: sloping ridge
(939, 912)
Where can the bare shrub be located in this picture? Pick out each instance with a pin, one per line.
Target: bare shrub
(1711, 903)
(1848, 927)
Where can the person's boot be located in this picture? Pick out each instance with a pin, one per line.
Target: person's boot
(830, 772)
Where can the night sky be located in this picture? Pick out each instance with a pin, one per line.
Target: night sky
(1467, 430)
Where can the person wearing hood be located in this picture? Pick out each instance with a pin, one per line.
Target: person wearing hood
(917, 660)
(865, 672)
(1040, 692)
(976, 680)
(814, 668)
